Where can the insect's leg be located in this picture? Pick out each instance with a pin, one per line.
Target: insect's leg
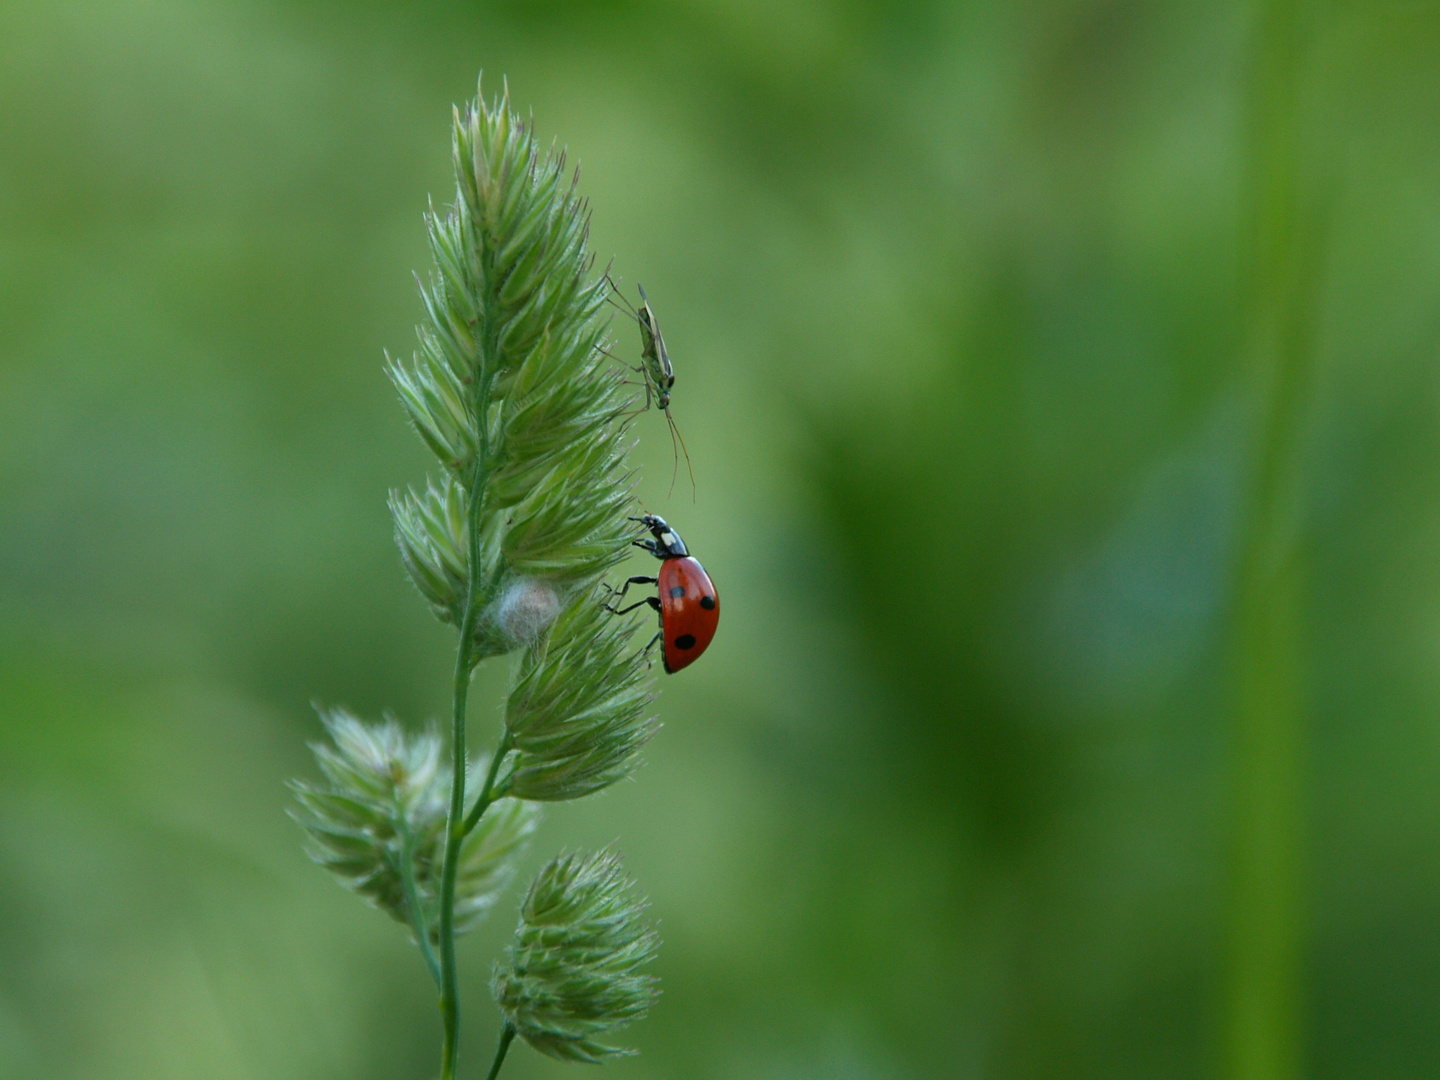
(651, 546)
(614, 291)
(627, 310)
(632, 382)
(639, 370)
(638, 579)
(653, 601)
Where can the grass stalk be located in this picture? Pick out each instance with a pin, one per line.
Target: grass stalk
(1264, 980)
(512, 389)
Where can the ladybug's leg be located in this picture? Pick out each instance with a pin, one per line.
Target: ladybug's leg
(649, 545)
(639, 579)
(653, 601)
(650, 645)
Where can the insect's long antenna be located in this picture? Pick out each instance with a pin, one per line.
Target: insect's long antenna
(689, 466)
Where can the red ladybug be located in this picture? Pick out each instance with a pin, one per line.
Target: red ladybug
(687, 602)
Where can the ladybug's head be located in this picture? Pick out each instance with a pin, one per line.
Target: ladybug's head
(668, 544)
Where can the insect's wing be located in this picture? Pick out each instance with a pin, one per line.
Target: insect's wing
(664, 356)
(654, 341)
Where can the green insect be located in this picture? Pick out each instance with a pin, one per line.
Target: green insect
(656, 372)
(657, 367)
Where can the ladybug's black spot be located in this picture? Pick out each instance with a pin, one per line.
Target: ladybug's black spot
(678, 591)
(708, 603)
(685, 641)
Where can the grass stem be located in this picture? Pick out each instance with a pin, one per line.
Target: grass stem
(1263, 1035)
(406, 870)
(507, 1036)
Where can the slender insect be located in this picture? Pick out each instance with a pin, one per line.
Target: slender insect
(656, 372)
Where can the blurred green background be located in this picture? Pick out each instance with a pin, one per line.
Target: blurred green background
(956, 297)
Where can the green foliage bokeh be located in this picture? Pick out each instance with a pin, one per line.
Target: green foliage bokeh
(951, 293)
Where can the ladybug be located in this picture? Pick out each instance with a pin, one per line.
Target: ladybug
(687, 602)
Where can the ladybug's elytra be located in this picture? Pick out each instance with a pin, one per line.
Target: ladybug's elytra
(687, 602)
